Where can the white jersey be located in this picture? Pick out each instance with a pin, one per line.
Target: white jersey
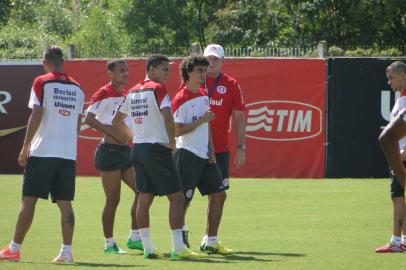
(187, 108)
(143, 104)
(400, 106)
(62, 100)
(104, 103)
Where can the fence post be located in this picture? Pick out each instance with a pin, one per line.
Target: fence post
(71, 51)
(322, 49)
(195, 48)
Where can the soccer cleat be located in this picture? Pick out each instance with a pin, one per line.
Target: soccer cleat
(152, 255)
(388, 248)
(216, 248)
(114, 250)
(137, 244)
(186, 254)
(7, 255)
(63, 259)
(185, 236)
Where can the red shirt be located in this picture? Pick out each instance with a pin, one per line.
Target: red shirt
(225, 96)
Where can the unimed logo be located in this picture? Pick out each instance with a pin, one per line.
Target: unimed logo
(87, 132)
(283, 120)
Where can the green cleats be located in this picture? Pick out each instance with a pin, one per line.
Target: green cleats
(186, 254)
(114, 250)
(137, 244)
(152, 255)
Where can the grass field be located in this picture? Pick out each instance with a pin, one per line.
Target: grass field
(272, 224)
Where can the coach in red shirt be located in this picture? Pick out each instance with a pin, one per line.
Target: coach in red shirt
(225, 100)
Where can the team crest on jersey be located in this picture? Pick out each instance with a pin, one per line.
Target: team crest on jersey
(221, 89)
(189, 194)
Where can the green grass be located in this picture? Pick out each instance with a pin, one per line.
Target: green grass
(272, 224)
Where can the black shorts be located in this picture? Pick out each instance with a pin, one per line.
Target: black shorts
(155, 170)
(44, 175)
(197, 172)
(396, 189)
(111, 157)
(223, 161)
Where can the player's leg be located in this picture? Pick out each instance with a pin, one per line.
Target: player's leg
(67, 225)
(398, 201)
(212, 186)
(134, 239)
(63, 193)
(144, 203)
(111, 181)
(38, 175)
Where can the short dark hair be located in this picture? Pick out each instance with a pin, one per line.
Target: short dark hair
(53, 54)
(188, 64)
(111, 64)
(397, 67)
(155, 60)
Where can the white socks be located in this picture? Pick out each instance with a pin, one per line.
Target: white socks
(109, 242)
(211, 240)
(396, 240)
(66, 250)
(177, 240)
(134, 235)
(146, 240)
(14, 247)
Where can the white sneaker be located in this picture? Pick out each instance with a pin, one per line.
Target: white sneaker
(63, 259)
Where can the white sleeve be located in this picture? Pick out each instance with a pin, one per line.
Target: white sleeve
(402, 104)
(180, 115)
(33, 100)
(97, 107)
(166, 102)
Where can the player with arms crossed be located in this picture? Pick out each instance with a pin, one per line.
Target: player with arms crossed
(113, 157)
(49, 151)
(195, 157)
(153, 134)
(393, 143)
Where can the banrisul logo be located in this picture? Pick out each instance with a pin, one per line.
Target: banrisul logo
(283, 120)
(87, 132)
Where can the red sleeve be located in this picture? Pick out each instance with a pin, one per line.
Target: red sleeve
(238, 100)
(38, 88)
(160, 93)
(99, 95)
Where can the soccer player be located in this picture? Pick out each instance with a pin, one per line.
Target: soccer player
(49, 152)
(112, 157)
(195, 157)
(393, 143)
(226, 100)
(153, 134)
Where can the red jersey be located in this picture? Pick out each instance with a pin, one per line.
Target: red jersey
(225, 96)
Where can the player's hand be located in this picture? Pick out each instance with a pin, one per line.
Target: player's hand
(212, 156)
(239, 159)
(208, 116)
(23, 156)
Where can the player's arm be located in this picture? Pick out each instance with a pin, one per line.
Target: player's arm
(91, 120)
(182, 129)
(169, 126)
(211, 153)
(33, 124)
(121, 130)
(389, 141)
(239, 121)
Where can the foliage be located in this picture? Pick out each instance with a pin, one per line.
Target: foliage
(110, 28)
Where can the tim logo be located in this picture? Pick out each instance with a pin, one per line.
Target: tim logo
(64, 112)
(283, 120)
(138, 120)
(86, 132)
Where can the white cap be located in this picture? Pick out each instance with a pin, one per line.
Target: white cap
(214, 50)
